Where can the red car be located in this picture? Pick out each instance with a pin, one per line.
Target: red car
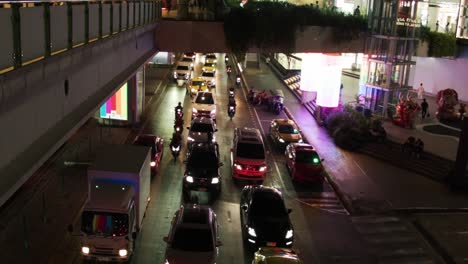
(157, 148)
(304, 163)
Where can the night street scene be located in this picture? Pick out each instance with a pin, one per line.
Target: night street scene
(234, 132)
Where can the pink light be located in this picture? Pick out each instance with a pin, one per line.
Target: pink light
(328, 92)
(311, 67)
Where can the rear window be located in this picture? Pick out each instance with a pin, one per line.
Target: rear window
(250, 151)
(266, 205)
(208, 74)
(207, 64)
(191, 239)
(198, 83)
(182, 68)
(211, 56)
(186, 59)
(203, 128)
(204, 99)
(307, 157)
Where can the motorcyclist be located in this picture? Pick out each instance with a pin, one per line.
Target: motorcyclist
(179, 109)
(231, 92)
(238, 80)
(176, 139)
(251, 94)
(228, 69)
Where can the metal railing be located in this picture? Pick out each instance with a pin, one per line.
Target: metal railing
(34, 30)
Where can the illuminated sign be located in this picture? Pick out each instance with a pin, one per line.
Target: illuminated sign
(116, 105)
(311, 66)
(328, 93)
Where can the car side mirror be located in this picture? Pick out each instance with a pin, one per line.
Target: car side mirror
(166, 239)
(70, 228)
(219, 243)
(134, 235)
(289, 211)
(244, 207)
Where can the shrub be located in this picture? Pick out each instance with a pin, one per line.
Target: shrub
(349, 129)
(440, 44)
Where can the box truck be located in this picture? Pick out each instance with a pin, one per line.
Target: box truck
(119, 193)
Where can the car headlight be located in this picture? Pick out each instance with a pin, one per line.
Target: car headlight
(190, 139)
(238, 166)
(175, 74)
(262, 168)
(85, 250)
(215, 180)
(194, 109)
(213, 112)
(152, 164)
(252, 232)
(281, 140)
(203, 69)
(289, 234)
(123, 252)
(189, 179)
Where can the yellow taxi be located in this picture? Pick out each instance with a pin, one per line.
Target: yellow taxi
(196, 85)
(274, 255)
(284, 131)
(209, 67)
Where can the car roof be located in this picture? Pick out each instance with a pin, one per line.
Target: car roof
(284, 122)
(203, 120)
(248, 135)
(145, 138)
(203, 147)
(198, 79)
(196, 216)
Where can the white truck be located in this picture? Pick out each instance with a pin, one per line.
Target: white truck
(119, 193)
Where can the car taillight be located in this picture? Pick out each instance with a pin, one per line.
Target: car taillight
(237, 166)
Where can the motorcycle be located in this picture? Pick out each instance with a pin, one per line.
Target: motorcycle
(278, 108)
(238, 81)
(175, 147)
(228, 70)
(231, 92)
(179, 115)
(226, 58)
(178, 125)
(231, 111)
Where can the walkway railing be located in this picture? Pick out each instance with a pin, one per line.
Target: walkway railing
(32, 30)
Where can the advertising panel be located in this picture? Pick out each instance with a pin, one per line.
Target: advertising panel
(116, 106)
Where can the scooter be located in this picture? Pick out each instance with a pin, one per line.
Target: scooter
(228, 70)
(178, 125)
(175, 148)
(226, 58)
(179, 115)
(231, 111)
(238, 81)
(231, 92)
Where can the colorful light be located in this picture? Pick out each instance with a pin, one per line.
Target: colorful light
(116, 105)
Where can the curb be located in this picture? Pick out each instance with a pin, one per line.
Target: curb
(432, 241)
(347, 203)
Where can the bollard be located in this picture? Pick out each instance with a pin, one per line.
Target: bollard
(25, 234)
(44, 212)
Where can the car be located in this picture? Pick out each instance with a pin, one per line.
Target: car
(157, 148)
(193, 236)
(274, 255)
(284, 131)
(182, 72)
(209, 78)
(190, 55)
(248, 155)
(264, 218)
(304, 163)
(188, 60)
(210, 58)
(204, 106)
(209, 67)
(202, 170)
(200, 129)
(196, 85)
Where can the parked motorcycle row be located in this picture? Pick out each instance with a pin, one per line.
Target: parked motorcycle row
(273, 99)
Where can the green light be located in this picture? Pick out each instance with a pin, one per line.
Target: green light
(315, 160)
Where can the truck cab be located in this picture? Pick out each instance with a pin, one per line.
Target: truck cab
(108, 223)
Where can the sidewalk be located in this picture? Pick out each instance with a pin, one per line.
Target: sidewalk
(33, 223)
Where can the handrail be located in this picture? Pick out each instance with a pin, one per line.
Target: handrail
(40, 29)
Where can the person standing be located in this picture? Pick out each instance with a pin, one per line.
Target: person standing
(437, 26)
(357, 11)
(462, 111)
(424, 106)
(420, 91)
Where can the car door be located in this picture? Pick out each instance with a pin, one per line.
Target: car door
(289, 156)
(244, 208)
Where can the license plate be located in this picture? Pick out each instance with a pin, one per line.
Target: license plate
(202, 189)
(103, 259)
(271, 244)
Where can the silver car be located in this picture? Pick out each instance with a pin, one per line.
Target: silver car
(200, 130)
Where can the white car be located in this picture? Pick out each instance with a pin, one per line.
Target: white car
(199, 130)
(204, 106)
(188, 60)
(210, 58)
(209, 78)
(183, 71)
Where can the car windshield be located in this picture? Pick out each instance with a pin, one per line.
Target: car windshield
(268, 205)
(204, 99)
(191, 239)
(187, 59)
(198, 83)
(104, 224)
(211, 56)
(182, 68)
(250, 151)
(287, 129)
(208, 64)
(208, 74)
(307, 157)
(203, 160)
(201, 127)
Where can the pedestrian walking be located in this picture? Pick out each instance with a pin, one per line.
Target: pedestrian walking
(447, 26)
(424, 106)
(420, 91)
(462, 111)
(357, 11)
(437, 26)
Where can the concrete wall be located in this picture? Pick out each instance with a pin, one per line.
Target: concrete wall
(199, 36)
(437, 74)
(36, 115)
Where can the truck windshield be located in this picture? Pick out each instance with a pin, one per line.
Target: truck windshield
(104, 224)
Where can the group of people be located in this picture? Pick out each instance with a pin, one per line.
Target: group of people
(414, 146)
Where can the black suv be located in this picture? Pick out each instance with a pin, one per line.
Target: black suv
(264, 218)
(202, 169)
